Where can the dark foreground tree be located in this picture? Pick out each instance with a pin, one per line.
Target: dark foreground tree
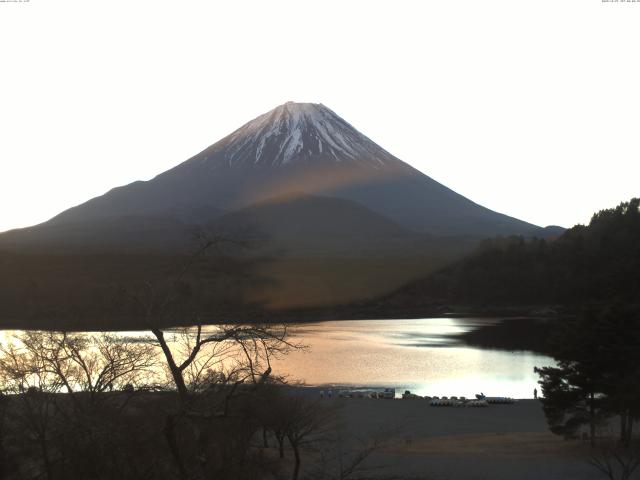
(219, 371)
(598, 372)
(306, 420)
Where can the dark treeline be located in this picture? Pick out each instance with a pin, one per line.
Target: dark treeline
(593, 263)
(84, 291)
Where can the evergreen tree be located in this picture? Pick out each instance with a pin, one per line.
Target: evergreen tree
(598, 372)
(595, 263)
(571, 391)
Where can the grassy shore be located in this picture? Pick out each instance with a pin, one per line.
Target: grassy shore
(501, 442)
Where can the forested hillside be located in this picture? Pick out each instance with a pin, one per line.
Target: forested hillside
(599, 262)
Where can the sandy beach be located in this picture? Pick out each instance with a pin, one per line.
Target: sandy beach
(498, 442)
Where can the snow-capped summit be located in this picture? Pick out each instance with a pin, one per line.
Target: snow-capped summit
(300, 132)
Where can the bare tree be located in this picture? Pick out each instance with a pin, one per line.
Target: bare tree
(207, 365)
(71, 425)
(196, 353)
(24, 373)
(76, 363)
(316, 435)
(343, 457)
(197, 359)
(61, 409)
(306, 420)
(4, 458)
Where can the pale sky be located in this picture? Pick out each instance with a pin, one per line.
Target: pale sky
(531, 108)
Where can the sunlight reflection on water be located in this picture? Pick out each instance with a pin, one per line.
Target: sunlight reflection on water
(421, 355)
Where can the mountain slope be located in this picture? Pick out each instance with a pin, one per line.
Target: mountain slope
(293, 224)
(122, 234)
(303, 224)
(304, 148)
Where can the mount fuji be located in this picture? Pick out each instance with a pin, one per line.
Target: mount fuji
(295, 151)
(339, 219)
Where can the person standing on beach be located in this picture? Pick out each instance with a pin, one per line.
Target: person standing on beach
(535, 393)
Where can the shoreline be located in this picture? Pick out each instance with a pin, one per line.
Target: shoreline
(303, 315)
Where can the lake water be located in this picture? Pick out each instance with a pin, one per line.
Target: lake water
(421, 355)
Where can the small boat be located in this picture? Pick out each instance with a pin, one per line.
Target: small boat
(501, 400)
(496, 400)
(442, 402)
(476, 403)
(408, 395)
